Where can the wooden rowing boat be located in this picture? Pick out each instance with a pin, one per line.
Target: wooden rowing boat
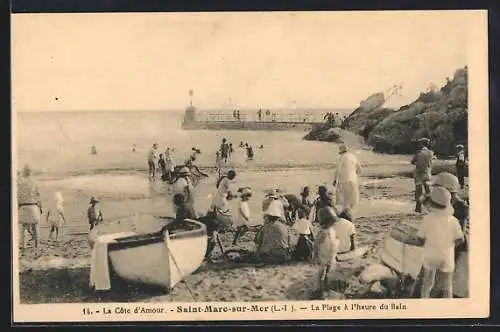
(162, 258)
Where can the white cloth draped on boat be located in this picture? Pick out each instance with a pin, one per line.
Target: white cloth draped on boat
(99, 267)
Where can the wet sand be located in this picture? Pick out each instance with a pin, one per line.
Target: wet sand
(61, 273)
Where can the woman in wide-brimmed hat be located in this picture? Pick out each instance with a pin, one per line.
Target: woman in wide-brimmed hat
(273, 241)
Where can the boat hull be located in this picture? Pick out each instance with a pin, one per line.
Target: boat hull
(403, 254)
(159, 259)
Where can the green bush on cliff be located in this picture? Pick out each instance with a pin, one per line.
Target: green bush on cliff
(440, 115)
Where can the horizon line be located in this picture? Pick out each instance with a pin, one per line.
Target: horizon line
(183, 109)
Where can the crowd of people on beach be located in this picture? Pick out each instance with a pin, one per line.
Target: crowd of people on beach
(325, 225)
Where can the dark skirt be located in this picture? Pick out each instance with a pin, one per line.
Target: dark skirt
(304, 248)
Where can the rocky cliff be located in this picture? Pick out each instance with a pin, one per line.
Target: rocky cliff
(441, 115)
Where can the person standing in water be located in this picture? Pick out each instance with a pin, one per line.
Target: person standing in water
(169, 164)
(461, 165)
(29, 207)
(218, 163)
(152, 160)
(224, 150)
(423, 171)
(162, 165)
(347, 180)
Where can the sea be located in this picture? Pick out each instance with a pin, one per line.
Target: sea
(56, 145)
(60, 142)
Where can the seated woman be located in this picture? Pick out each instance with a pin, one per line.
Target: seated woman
(273, 241)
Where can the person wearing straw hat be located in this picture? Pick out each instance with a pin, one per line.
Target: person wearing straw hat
(347, 179)
(29, 207)
(273, 241)
(243, 219)
(439, 232)
(423, 171)
(275, 195)
(55, 216)
(94, 214)
(461, 165)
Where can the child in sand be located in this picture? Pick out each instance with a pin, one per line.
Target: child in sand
(55, 216)
(94, 214)
(439, 233)
(243, 214)
(305, 243)
(325, 249)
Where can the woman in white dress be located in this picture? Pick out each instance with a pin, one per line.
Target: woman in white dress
(347, 180)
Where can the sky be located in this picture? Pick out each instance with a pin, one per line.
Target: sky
(149, 61)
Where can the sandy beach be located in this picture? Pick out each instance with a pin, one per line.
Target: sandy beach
(61, 273)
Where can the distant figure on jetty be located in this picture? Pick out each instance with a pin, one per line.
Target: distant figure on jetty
(29, 204)
(152, 160)
(423, 171)
(259, 114)
(93, 150)
(347, 180)
(224, 150)
(461, 165)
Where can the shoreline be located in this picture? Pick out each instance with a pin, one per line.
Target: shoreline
(42, 282)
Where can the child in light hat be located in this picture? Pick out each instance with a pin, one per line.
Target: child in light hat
(243, 214)
(55, 216)
(439, 232)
